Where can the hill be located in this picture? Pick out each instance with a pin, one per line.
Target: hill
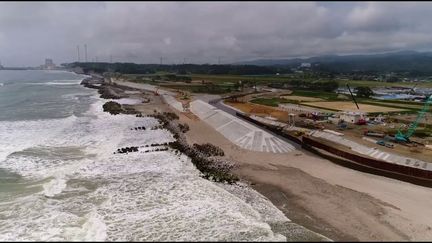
(417, 63)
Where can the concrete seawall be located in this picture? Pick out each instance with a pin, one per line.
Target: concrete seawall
(239, 132)
(396, 171)
(419, 176)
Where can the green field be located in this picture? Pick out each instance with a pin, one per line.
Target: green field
(317, 94)
(274, 102)
(226, 83)
(199, 88)
(265, 79)
(268, 78)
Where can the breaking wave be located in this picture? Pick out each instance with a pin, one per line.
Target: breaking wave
(73, 186)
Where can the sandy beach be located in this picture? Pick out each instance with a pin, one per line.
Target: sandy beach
(338, 202)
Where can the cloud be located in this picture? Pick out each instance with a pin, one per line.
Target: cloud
(204, 31)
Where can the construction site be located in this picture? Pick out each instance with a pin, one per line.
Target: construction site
(367, 135)
(364, 134)
(292, 151)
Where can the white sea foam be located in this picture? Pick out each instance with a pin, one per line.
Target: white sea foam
(159, 196)
(18, 135)
(89, 193)
(54, 187)
(129, 101)
(59, 82)
(64, 82)
(94, 227)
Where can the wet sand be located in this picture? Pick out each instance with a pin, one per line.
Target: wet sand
(338, 202)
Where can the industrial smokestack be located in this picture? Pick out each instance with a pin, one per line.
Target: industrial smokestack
(85, 51)
(78, 53)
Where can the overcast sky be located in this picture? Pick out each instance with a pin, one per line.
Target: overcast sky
(202, 32)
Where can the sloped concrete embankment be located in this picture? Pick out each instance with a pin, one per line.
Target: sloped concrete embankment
(239, 132)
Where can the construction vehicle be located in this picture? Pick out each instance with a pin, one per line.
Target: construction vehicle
(361, 121)
(298, 133)
(184, 95)
(373, 134)
(404, 137)
(412, 90)
(389, 145)
(342, 125)
(383, 143)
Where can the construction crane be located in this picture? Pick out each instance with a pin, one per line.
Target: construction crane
(412, 90)
(401, 137)
(352, 96)
(361, 121)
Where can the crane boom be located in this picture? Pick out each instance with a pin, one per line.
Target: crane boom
(413, 126)
(352, 96)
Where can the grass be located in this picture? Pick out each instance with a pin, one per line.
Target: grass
(264, 79)
(199, 88)
(317, 94)
(408, 105)
(274, 102)
(268, 78)
(224, 84)
(229, 80)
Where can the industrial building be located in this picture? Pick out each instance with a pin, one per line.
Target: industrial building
(352, 117)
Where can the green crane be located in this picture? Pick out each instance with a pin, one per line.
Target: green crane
(400, 137)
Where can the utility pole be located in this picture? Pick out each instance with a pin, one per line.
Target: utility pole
(85, 52)
(110, 58)
(78, 54)
(219, 60)
(96, 58)
(160, 60)
(184, 61)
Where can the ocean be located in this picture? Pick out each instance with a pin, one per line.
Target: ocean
(60, 180)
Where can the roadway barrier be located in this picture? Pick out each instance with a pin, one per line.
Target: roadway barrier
(414, 175)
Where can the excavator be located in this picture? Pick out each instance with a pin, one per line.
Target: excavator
(404, 137)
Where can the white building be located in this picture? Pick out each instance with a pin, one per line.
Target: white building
(305, 65)
(49, 64)
(352, 117)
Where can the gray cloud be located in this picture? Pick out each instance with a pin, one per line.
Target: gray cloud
(203, 31)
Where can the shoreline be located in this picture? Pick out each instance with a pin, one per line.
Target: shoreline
(335, 201)
(360, 205)
(291, 230)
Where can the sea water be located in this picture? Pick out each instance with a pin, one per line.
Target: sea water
(60, 178)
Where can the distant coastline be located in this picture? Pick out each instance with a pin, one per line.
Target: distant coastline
(30, 68)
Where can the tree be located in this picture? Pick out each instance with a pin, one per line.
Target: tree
(328, 86)
(363, 92)
(392, 79)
